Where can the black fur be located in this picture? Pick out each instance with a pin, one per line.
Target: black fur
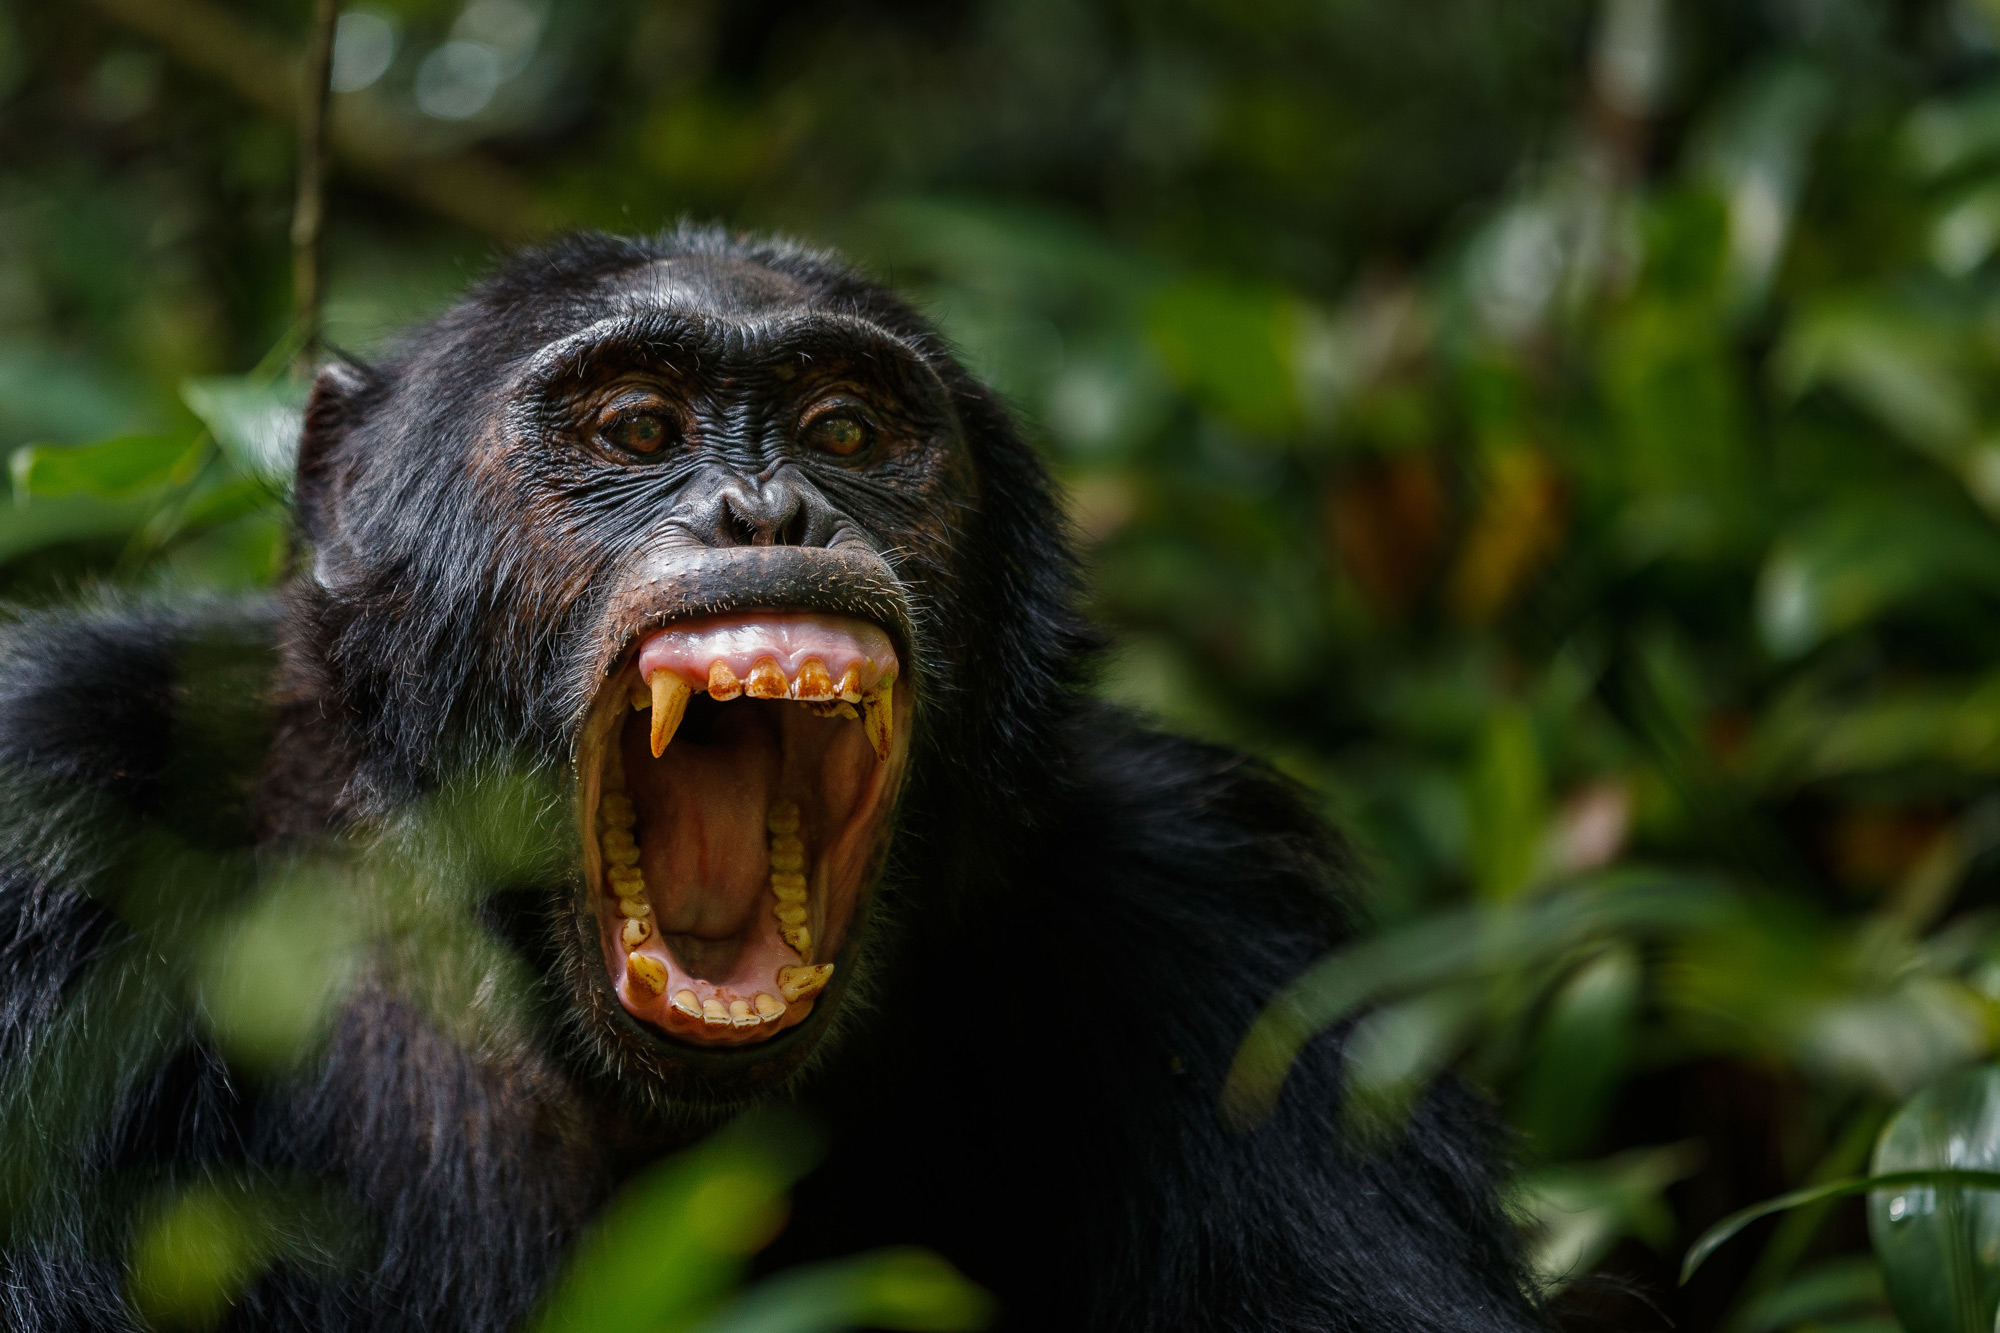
(1122, 901)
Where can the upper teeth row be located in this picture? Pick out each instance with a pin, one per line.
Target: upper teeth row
(667, 695)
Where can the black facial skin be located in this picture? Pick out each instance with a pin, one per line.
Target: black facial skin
(1075, 921)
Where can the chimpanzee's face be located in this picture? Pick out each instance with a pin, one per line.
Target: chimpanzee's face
(718, 502)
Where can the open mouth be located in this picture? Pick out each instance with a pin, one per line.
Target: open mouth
(737, 774)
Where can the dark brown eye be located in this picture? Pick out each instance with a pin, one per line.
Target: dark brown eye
(841, 433)
(637, 432)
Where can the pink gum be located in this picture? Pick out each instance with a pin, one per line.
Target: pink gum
(791, 638)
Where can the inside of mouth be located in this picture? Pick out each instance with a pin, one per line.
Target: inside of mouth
(737, 775)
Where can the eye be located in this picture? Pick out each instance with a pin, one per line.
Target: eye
(635, 430)
(841, 432)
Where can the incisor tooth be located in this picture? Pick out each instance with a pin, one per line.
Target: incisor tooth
(813, 685)
(769, 1005)
(648, 973)
(850, 684)
(878, 717)
(722, 682)
(796, 983)
(713, 1010)
(637, 931)
(783, 816)
(670, 701)
(767, 680)
(741, 1014)
(688, 1003)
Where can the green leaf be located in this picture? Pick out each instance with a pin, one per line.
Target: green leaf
(112, 469)
(257, 422)
(679, 1238)
(889, 1289)
(1722, 1232)
(1938, 1246)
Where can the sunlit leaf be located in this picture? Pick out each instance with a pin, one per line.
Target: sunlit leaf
(257, 422)
(108, 469)
(1938, 1245)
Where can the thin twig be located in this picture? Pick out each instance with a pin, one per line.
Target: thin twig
(309, 212)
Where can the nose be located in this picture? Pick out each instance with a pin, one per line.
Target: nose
(783, 509)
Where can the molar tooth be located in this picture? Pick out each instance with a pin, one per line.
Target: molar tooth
(850, 684)
(792, 914)
(814, 685)
(796, 983)
(688, 1003)
(769, 1006)
(615, 810)
(714, 1011)
(741, 1015)
(641, 700)
(767, 680)
(722, 682)
(878, 717)
(783, 816)
(670, 701)
(789, 887)
(632, 908)
(798, 938)
(636, 932)
(647, 973)
(624, 854)
(787, 852)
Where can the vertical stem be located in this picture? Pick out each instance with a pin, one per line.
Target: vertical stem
(309, 211)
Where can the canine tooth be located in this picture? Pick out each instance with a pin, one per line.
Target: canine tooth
(714, 1011)
(850, 684)
(670, 701)
(766, 680)
(631, 908)
(688, 1003)
(814, 685)
(647, 973)
(790, 887)
(769, 1006)
(722, 682)
(792, 914)
(796, 983)
(742, 1015)
(636, 932)
(878, 717)
(783, 816)
(787, 852)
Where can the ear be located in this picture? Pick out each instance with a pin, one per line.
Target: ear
(332, 412)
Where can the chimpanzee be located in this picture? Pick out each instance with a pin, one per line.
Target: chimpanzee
(718, 539)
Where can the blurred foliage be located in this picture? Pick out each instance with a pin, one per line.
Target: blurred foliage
(1565, 434)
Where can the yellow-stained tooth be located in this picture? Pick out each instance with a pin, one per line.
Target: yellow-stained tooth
(789, 888)
(788, 853)
(798, 938)
(767, 680)
(670, 701)
(648, 973)
(742, 1015)
(632, 908)
(796, 983)
(637, 930)
(792, 914)
(722, 682)
(878, 717)
(769, 1005)
(641, 701)
(783, 816)
(850, 684)
(713, 1010)
(814, 685)
(688, 1003)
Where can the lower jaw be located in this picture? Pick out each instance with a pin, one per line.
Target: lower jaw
(727, 869)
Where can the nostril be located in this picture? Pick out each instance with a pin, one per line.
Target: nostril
(792, 532)
(740, 530)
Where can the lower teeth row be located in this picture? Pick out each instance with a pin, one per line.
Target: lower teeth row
(615, 821)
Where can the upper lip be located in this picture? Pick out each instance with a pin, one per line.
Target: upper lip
(676, 585)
